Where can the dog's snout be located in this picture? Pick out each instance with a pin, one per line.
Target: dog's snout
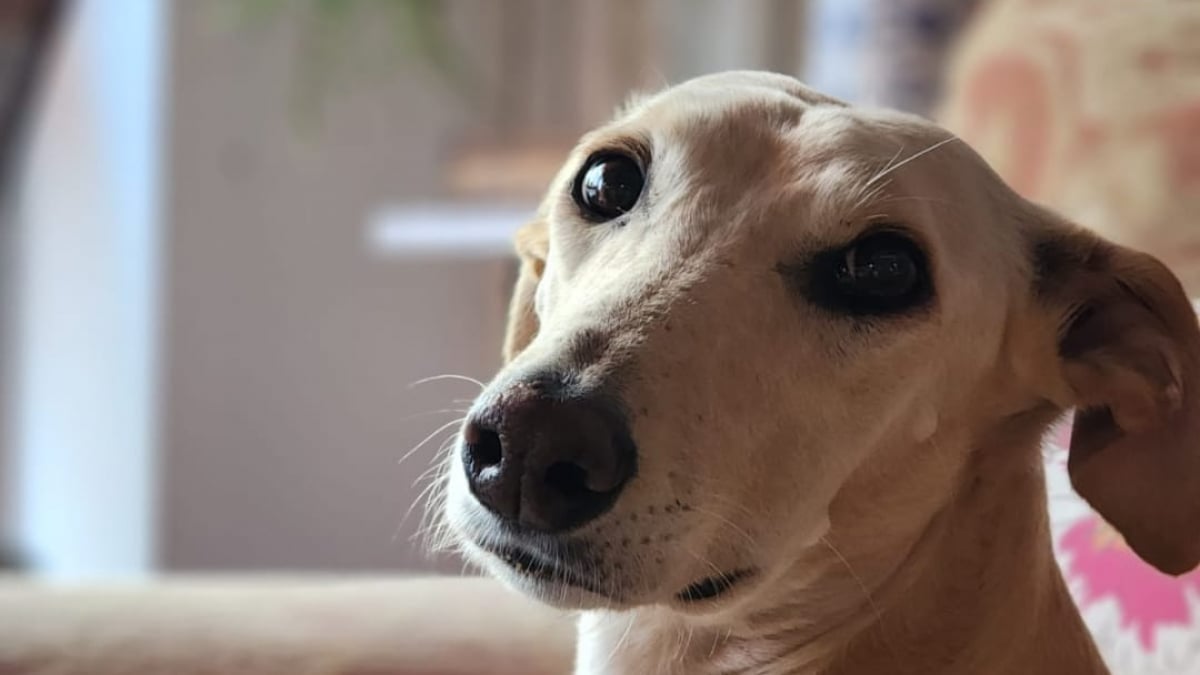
(544, 462)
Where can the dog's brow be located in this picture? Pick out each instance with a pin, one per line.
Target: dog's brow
(631, 143)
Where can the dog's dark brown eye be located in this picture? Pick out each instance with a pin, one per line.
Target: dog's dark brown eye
(883, 266)
(608, 186)
(882, 272)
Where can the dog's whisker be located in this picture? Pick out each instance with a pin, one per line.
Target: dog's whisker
(430, 533)
(911, 158)
(436, 461)
(887, 167)
(434, 529)
(876, 184)
(722, 520)
(436, 532)
(430, 437)
(448, 376)
(869, 194)
(712, 649)
(687, 641)
(612, 655)
(915, 198)
(426, 499)
(717, 572)
(726, 502)
(428, 413)
(858, 580)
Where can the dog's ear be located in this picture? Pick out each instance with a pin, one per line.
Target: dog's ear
(533, 245)
(1129, 353)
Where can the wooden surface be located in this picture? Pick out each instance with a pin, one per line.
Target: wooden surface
(281, 626)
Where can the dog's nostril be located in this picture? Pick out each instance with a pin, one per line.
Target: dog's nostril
(484, 449)
(546, 463)
(568, 479)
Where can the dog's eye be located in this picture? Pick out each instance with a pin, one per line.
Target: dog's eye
(883, 272)
(608, 186)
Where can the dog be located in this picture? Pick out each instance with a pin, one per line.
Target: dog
(777, 373)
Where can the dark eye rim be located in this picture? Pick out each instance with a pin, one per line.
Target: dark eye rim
(815, 278)
(609, 153)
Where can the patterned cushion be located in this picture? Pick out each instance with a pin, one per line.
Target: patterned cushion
(1091, 107)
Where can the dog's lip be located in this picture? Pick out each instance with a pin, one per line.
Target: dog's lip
(713, 587)
(539, 568)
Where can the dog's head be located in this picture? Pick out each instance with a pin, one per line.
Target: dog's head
(741, 294)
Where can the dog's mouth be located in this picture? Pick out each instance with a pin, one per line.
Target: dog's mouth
(713, 587)
(540, 569)
(562, 570)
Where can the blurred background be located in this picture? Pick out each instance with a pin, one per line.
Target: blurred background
(235, 233)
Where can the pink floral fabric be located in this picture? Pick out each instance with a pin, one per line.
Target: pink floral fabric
(1093, 108)
(1145, 622)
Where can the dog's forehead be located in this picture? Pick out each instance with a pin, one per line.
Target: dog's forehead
(716, 111)
(747, 126)
(770, 140)
(746, 85)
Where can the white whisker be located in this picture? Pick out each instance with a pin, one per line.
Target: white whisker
(704, 561)
(425, 497)
(887, 167)
(434, 528)
(427, 413)
(722, 520)
(915, 198)
(612, 654)
(892, 169)
(434, 464)
(448, 376)
(430, 437)
(862, 586)
(726, 502)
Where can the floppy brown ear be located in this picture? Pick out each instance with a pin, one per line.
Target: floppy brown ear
(1129, 348)
(532, 244)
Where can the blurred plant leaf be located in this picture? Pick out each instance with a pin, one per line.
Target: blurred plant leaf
(345, 43)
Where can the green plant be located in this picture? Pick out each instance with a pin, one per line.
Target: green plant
(341, 43)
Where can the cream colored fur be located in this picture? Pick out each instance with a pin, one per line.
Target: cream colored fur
(883, 479)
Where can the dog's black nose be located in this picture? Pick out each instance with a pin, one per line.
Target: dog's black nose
(545, 462)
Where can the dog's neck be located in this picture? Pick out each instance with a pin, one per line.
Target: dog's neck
(970, 587)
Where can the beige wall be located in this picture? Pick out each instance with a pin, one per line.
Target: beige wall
(289, 347)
